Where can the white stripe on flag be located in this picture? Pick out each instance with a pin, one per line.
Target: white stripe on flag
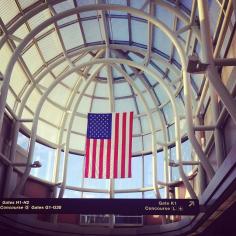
(104, 159)
(127, 145)
(97, 158)
(90, 158)
(119, 146)
(113, 131)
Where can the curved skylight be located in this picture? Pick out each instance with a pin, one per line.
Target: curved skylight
(64, 51)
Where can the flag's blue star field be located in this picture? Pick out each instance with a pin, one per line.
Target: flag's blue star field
(99, 126)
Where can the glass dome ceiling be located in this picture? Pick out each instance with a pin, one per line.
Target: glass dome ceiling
(82, 37)
(96, 56)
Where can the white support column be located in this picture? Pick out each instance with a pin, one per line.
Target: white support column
(9, 172)
(216, 86)
(112, 109)
(207, 52)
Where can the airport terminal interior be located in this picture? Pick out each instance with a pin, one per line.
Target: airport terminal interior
(172, 63)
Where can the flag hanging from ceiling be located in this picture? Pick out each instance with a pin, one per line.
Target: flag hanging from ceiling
(109, 145)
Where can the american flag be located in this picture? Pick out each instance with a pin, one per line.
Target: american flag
(109, 145)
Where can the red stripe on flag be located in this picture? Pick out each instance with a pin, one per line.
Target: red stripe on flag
(108, 164)
(94, 158)
(116, 143)
(87, 158)
(123, 156)
(101, 159)
(130, 141)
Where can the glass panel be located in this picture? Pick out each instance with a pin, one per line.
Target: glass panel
(33, 100)
(141, 4)
(148, 171)
(11, 99)
(23, 141)
(91, 31)
(32, 59)
(72, 194)
(139, 83)
(95, 195)
(160, 136)
(125, 105)
(46, 81)
(150, 195)
(147, 142)
(137, 144)
(48, 131)
(64, 6)
(60, 68)
(140, 105)
(8, 10)
(46, 113)
(145, 124)
(122, 89)
(159, 38)
(119, 29)
(26, 3)
(38, 19)
(149, 78)
(60, 95)
(45, 156)
(176, 56)
(80, 125)
(71, 80)
(87, 13)
(102, 90)
(21, 32)
(149, 100)
(136, 126)
(75, 170)
(50, 46)
(5, 56)
(180, 25)
(214, 11)
(137, 195)
(103, 73)
(136, 180)
(116, 73)
(165, 16)
(118, 2)
(18, 79)
(167, 109)
(83, 59)
(139, 28)
(157, 120)
(61, 167)
(160, 166)
(77, 142)
(96, 183)
(72, 36)
(174, 170)
(135, 57)
(100, 106)
(84, 105)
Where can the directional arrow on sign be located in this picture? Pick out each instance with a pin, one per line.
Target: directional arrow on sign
(191, 204)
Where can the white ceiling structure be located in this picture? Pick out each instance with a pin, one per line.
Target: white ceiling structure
(79, 38)
(72, 57)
